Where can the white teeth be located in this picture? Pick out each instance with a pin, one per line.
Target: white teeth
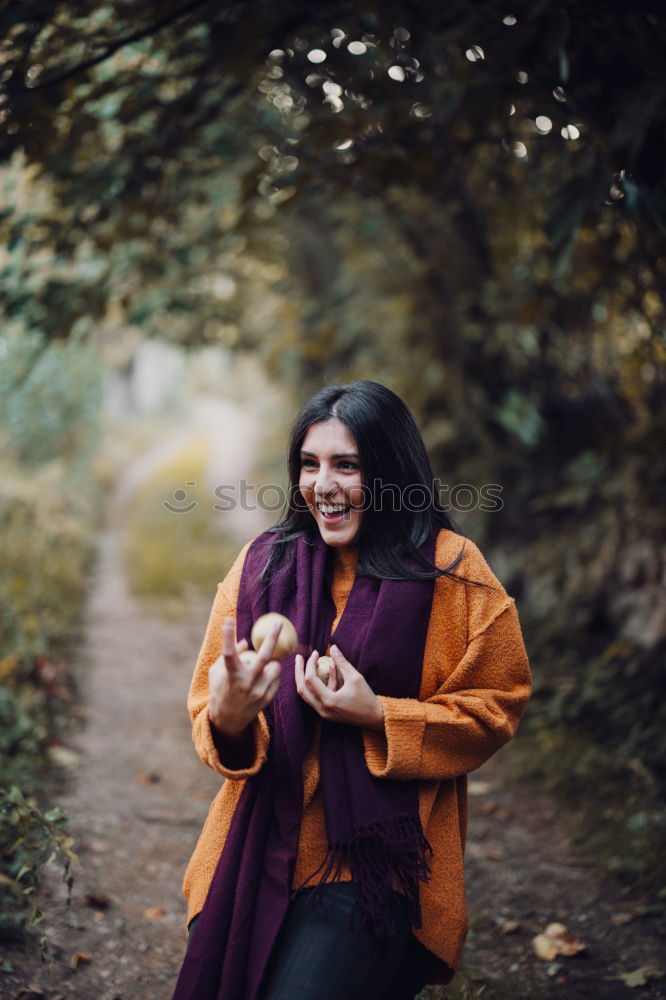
(330, 510)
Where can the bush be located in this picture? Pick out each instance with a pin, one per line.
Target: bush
(49, 398)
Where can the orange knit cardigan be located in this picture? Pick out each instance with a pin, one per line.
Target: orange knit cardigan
(475, 684)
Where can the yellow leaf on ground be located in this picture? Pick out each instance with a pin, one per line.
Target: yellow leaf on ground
(79, 958)
(640, 977)
(154, 912)
(556, 940)
(509, 926)
(544, 947)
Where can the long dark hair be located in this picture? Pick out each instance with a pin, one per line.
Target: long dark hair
(394, 460)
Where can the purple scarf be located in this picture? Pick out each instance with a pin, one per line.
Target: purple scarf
(372, 823)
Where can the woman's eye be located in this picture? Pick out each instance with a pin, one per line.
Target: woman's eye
(308, 463)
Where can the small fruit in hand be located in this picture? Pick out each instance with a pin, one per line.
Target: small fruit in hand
(323, 668)
(286, 640)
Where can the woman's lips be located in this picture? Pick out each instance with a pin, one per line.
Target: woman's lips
(333, 518)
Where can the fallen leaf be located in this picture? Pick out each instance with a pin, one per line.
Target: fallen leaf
(565, 940)
(544, 947)
(64, 756)
(509, 926)
(487, 808)
(478, 787)
(553, 968)
(99, 847)
(493, 854)
(154, 912)
(79, 958)
(640, 977)
(148, 778)
(493, 809)
(556, 940)
(618, 919)
(99, 915)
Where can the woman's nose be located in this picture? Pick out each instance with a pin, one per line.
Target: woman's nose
(325, 483)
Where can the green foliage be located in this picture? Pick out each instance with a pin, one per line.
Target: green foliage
(410, 212)
(48, 507)
(229, 111)
(49, 399)
(29, 839)
(617, 807)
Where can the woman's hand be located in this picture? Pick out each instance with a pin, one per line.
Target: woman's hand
(354, 703)
(239, 691)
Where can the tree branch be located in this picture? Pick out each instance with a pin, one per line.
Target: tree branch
(111, 48)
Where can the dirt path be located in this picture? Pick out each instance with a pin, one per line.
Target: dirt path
(523, 873)
(138, 797)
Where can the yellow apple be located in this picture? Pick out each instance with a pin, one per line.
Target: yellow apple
(323, 668)
(286, 640)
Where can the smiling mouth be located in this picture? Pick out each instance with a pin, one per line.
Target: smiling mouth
(332, 512)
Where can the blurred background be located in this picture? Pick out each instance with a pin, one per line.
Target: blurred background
(207, 211)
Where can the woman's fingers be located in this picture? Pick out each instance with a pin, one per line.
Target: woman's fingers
(341, 662)
(301, 687)
(265, 651)
(333, 678)
(312, 688)
(310, 672)
(229, 651)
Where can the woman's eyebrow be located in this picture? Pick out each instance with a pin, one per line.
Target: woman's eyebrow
(346, 454)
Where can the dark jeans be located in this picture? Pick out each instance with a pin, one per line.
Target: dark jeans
(318, 955)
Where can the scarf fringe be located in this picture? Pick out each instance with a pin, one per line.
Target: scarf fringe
(384, 856)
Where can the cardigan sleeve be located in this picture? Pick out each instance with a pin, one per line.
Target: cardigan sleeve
(477, 706)
(209, 743)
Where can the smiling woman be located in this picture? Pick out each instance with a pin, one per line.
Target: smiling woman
(349, 794)
(331, 481)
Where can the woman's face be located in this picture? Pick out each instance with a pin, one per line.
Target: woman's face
(331, 477)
